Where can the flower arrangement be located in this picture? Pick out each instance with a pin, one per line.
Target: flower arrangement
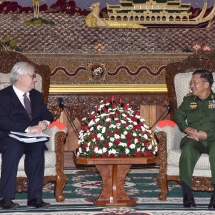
(115, 130)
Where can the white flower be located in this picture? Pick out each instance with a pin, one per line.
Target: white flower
(103, 130)
(132, 146)
(145, 136)
(123, 144)
(127, 151)
(150, 147)
(122, 136)
(97, 120)
(112, 126)
(112, 151)
(134, 134)
(116, 136)
(143, 128)
(136, 140)
(105, 133)
(123, 121)
(99, 127)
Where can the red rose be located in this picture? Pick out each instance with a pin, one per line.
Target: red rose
(108, 133)
(117, 114)
(117, 141)
(85, 127)
(138, 139)
(133, 118)
(146, 143)
(104, 155)
(147, 154)
(108, 124)
(114, 105)
(105, 110)
(96, 146)
(118, 121)
(121, 100)
(116, 132)
(125, 106)
(93, 155)
(128, 136)
(138, 154)
(106, 101)
(106, 144)
(112, 98)
(111, 155)
(97, 139)
(98, 107)
(92, 135)
(84, 146)
(129, 143)
(137, 113)
(138, 126)
(123, 155)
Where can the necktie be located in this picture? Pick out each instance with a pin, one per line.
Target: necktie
(27, 104)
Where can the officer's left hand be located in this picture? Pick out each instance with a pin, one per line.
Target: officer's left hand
(202, 135)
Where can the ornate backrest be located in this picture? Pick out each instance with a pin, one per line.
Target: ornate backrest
(7, 61)
(178, 75)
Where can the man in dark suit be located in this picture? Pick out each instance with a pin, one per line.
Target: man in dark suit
(31, 117)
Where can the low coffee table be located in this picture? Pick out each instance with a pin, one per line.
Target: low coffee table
(113, 172)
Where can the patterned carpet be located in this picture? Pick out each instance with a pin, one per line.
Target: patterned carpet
(84, 185)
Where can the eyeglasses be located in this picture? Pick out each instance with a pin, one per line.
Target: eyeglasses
(32, 76)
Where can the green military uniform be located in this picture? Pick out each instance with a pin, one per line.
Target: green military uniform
(200, 115)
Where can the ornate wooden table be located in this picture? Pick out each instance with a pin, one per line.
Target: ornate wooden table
(113, 172)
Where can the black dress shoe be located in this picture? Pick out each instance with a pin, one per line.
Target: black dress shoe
(188, 200)
(38, 203)
(212, 203)
(7, 203)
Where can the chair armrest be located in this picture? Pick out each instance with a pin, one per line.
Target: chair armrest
(57, 138)
(168, 138)
(173, 136)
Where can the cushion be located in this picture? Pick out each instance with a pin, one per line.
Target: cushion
(173, 157)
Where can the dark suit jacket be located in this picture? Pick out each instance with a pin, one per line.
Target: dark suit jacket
(13, 116)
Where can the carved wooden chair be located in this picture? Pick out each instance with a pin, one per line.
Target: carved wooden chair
(54, 156)
(178, 75)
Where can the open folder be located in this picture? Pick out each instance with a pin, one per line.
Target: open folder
(29, 138)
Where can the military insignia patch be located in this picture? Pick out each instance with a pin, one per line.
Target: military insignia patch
(193, 105)
(211, 104)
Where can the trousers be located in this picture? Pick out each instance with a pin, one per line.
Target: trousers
(191, 151)
(12, 151)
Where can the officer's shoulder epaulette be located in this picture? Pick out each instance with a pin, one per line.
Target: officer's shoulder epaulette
(188, 94)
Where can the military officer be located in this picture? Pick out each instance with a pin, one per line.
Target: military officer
(196, 117)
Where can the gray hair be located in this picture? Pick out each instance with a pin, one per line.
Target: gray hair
(20, 68)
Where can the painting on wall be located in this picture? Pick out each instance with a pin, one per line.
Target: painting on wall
(122, 13)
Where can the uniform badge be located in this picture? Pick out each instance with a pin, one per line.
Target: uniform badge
(211, 104)
(193, 105)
